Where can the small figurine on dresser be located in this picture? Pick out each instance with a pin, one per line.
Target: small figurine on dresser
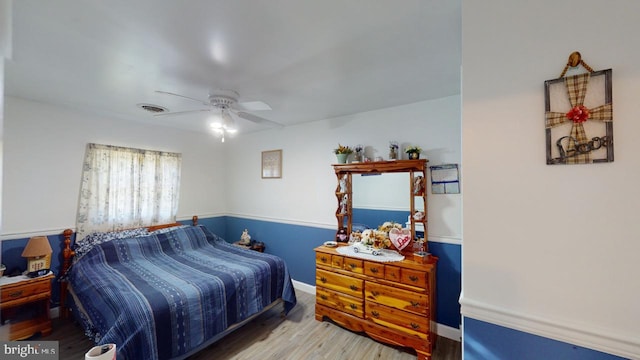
(245, 238)
(417, 185)
(341, 235)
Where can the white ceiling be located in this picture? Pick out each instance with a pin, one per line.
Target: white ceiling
(309, 60)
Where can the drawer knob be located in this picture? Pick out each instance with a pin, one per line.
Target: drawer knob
(415, 326)
(16, 294)
(375, 293)
(323, 279)
(323, 259)
(352, 266)
(353, 287)
(415, 303)
(413, 278)
(374, 270)
(323, 297)
(353, 306)
(375, 314)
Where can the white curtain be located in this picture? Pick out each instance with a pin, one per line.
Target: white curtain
(124, 188)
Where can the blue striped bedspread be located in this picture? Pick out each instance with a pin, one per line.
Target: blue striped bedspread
(162, 296)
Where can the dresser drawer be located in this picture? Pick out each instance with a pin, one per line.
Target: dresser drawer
(323, 259)
(353, 265)
(404, 321)
(397, 298)
(374, 269)
(341, 283)
(24, 290)
(414, 278)
(337, 261)
(392, 273)
(340, 302)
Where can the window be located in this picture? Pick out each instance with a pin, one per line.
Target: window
(124, 188)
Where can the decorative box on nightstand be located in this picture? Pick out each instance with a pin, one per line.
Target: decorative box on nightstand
(255, 245)
(24, 305)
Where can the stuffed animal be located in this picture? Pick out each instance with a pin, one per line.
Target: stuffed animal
(245, 238)
(368, 237)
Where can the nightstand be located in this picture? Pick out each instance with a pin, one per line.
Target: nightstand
(24, 303)
(258, 246)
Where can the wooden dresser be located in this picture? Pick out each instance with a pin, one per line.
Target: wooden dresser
(392, 302)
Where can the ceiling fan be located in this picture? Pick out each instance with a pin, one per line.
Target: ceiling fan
(224, 103)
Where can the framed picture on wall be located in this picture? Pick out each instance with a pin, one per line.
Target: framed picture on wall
(272, 164)
(579, 118)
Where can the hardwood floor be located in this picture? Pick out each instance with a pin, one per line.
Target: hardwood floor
(298, 336)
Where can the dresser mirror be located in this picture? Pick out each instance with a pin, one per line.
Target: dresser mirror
(380, 192)
(381, 197)
(369, 194)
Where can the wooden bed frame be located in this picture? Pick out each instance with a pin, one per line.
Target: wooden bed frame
(68, 254)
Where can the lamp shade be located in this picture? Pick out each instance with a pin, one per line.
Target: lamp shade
(36, 247)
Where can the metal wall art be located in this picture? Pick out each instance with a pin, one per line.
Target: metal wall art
(579, 116)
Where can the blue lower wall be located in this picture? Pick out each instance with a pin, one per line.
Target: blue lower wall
(485, 341)
(293, 243)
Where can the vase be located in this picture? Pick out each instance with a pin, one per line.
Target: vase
(393, 155)
(414, 155)
(342, 158)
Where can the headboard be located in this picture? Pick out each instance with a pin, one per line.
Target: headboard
(68, 254)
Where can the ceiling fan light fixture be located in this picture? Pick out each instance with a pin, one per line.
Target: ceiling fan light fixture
(227, 121)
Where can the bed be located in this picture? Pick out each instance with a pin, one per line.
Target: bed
(171, 292)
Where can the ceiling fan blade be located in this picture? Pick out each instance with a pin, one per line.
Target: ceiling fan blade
(253, 106)
(182, 96)
(257, 119)
(181, 112)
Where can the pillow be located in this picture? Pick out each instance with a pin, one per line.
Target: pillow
(97, 238)
(167, 229)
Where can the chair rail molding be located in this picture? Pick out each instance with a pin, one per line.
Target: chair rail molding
(595, 338)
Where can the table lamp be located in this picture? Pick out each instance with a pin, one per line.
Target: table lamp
(38, 254)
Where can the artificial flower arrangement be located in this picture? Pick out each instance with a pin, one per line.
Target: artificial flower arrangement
(413, 149)
(341, 149)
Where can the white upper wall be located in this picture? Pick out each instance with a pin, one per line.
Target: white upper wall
(304, 195)
(44, 149)
(549, 249)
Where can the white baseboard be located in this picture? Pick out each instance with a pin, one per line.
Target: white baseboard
(449, 332)
(309, 289)
(442, 330)
(604, 340)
